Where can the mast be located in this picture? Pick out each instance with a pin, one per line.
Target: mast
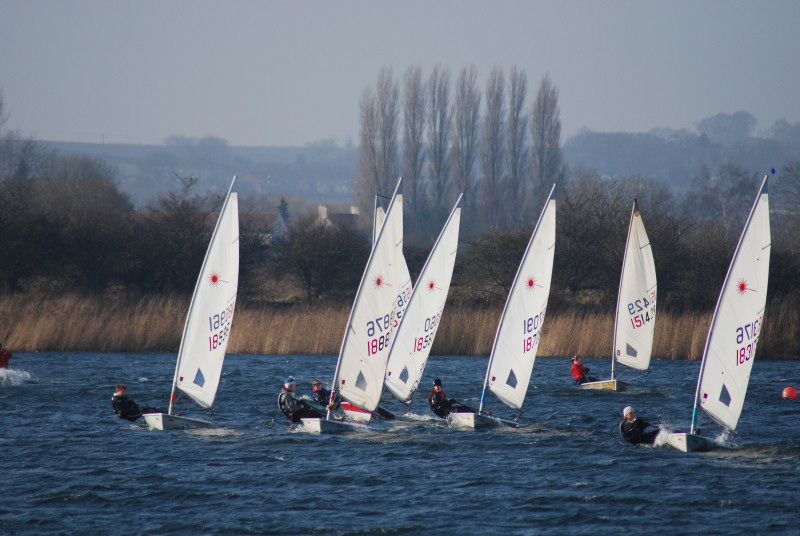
(621, 280)
(194, 296)
(722, 295)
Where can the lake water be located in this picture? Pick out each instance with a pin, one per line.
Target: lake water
(69, 465)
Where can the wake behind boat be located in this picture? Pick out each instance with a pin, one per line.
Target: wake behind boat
(733, 334)
(634, 323)
(208, 322)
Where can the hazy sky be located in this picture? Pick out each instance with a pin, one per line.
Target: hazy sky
(289, 73)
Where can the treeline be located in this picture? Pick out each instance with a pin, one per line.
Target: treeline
(66, 227)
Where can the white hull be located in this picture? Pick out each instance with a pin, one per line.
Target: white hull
(477, 421)
(606, 385)
(324, 426)
(165, 421)
(688, 442)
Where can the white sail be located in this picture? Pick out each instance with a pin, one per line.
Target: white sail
(368, 336)
(735, 327)
(404, 292)
(208, 322)
(414, 338)
(520, 328)
(635, 322)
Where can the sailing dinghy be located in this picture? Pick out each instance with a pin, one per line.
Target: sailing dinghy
(414, 338)
(351, 412)
(208, 322)
(733, 335)
(634, 323)
(514, 349)
(361, 366)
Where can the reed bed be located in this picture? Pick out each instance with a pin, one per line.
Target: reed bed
(117, 323)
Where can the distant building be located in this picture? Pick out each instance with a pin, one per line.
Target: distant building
(339, 218)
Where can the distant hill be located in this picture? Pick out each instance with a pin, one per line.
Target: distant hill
(321, 172)
(674, 156)
(324, 172)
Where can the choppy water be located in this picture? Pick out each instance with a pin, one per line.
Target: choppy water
(68, 465)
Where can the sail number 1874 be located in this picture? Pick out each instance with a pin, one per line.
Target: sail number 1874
(531, 328)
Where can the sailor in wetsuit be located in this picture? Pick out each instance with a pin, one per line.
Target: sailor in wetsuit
(125, 408)
(293, 408)
(322, 396)
(441, 405)
(633, 429)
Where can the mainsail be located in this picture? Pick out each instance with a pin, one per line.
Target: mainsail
(362, 359)
(635, 321)
(414, 338)
(736, 325)
(520, 328)
(208, 322)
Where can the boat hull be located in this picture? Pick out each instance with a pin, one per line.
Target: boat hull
(356, 414)
(685, 442)
(606, 385)
(314, 425)
(478, 421)
(165, 421)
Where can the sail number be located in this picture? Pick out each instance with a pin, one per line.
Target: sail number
(532, 326)
(380, 325)
(421, 343)
(747, 336)
(643, 310)
(219, 325)
(402, 302)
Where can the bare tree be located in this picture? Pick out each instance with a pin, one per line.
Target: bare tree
(466, 129)
(438, 137)
(367, 182)
(387, 100)
(546, 157)
(413, 141)
(516, 151)
(378, 152)
(492, 153)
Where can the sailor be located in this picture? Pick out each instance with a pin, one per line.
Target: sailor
(5, 355)
(323, 397)
(632, 428)
(440, 404)
(293, 408)
(125, 408)
(579, 371)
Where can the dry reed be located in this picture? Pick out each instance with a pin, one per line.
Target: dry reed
(38, 322)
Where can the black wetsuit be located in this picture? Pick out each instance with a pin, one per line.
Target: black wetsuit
(296, 409)
(323, 396)
(442, 406)
(125, 408)
(439, 404)
(633, 431)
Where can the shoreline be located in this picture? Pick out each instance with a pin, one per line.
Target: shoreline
(79, 323)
